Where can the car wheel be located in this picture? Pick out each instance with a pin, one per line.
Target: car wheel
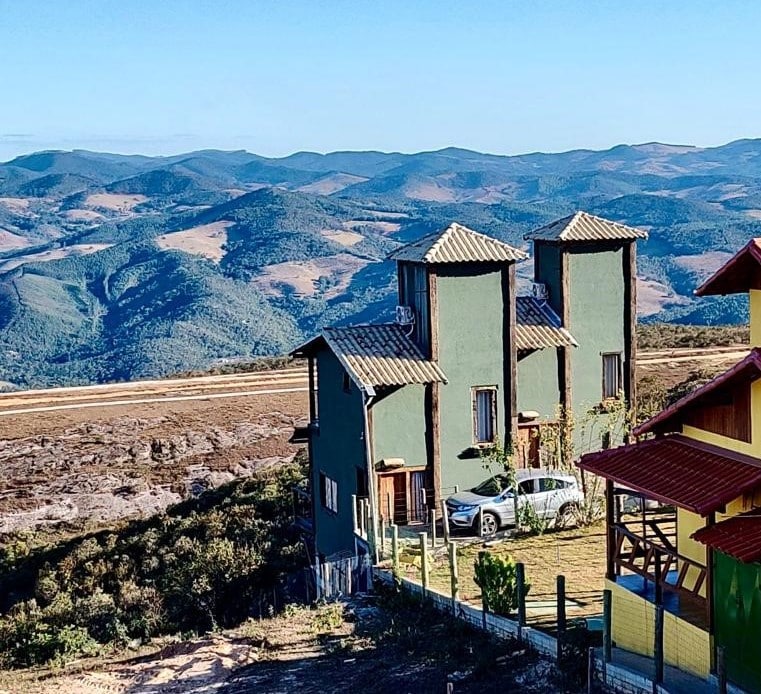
(487, 523)
(567, 516)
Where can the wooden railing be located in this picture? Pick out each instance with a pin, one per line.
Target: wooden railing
(655, 562)
(361, 516)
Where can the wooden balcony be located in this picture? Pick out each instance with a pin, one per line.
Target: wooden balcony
(667, 578)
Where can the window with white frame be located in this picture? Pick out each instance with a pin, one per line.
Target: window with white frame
(611, 375)
(328, 493)
(484, 414)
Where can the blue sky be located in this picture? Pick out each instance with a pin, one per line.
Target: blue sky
(275, 77)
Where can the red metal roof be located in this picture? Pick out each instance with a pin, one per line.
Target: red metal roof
(739, 536)
(745, 371)
(679, 471)
(739, 274)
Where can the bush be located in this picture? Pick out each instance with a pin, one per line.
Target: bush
(497, 577)
(202, 565)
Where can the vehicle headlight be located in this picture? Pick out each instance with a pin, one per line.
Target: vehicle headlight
(464, 507)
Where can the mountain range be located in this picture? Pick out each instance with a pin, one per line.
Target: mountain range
(116, 267)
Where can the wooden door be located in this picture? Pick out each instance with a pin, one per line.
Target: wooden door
(528, 446)
(418, 503)
(392, 497)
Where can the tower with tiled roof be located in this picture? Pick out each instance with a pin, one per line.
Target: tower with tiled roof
(587, 266)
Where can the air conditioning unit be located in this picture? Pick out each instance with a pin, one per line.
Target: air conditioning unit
(539, 291)
(405, 315)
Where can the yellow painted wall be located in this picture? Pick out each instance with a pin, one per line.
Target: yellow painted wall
(686, 524)
(633, 626)
(755, 317)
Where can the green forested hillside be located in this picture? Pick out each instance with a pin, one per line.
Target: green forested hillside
(117, 267)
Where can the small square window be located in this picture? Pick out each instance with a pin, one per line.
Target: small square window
(611, 375)
(484, 414)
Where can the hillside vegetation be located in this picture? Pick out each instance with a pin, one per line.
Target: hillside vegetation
(116, 267)
(206, 563)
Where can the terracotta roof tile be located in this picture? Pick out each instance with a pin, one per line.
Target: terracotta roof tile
(582, 226)
(457, 244)
(677, 470)
(538, 326)
(739, 536)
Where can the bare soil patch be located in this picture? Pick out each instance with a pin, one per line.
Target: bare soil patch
(114, 202)
(207, 240)
(303, 277)
(54, 254)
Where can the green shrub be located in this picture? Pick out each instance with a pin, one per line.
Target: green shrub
(497, 577)
(202, 565)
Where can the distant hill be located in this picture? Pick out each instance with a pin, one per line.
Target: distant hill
(115, 266)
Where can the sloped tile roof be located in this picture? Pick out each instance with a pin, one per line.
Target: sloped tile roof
(739, 536)
(377, 355)
(457, 244)
(677, 470)
(739, 274)
(746, 370)
(582, 226)
(538, 326)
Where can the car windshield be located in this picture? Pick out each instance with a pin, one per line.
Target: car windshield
(492, 487)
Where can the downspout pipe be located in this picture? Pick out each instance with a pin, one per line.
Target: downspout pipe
(369, 396)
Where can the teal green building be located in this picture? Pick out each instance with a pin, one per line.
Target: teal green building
(401, 412)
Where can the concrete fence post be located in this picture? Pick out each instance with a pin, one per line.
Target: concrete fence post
(395, 549)
(445, 520)
(433, 528)
(484, 599)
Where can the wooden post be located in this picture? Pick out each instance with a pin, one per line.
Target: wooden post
(590, 669)
(721, 669)
(445, 520)
(424, 562)
(610, 527)
(383, 537)
(316, 580)
(395, 549)
(433, 528)
(484, 601)
(561, 616)
(607, 640)
(454, 576)
(520, 571)
(658, 648)
(354, 512)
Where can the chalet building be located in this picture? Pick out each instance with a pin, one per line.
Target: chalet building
(699, 556)
(400, 412)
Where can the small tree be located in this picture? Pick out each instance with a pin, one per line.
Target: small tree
(497, 577)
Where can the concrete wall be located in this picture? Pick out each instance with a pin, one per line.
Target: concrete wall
(471, 354)
(538, 383)
(399, 426)
(338, 449)
(633, 625)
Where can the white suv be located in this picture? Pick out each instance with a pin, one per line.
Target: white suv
(491, 505)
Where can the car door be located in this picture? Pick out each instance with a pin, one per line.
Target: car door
(506, 507)
(548, 497)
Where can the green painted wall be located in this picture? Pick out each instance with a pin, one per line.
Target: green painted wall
(399, 426)
(470, 354)
(337, 450)
(538, 383)
(596, 318)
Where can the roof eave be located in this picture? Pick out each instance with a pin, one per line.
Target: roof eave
(721, 282)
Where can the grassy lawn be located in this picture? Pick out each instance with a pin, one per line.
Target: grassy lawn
(578, 554)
